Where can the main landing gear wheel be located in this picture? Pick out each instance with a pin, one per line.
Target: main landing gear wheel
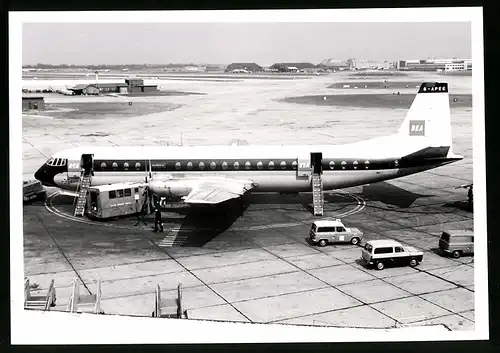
(380, 265)
(354, 241)
(413, 262)
(322, 242)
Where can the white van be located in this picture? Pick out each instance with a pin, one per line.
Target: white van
(325, 232)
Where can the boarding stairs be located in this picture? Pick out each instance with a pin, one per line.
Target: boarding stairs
(90, 303)
(170, 308)
(43, 302)
(318, 198)
(81, 198)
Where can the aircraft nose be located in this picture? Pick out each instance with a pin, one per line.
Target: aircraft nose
(44, 176)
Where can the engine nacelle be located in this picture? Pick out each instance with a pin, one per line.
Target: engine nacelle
(169, 188)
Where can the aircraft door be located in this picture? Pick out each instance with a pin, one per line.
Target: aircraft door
(87, 163)
(316, 158)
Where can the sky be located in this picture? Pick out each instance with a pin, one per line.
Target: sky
(224, 43)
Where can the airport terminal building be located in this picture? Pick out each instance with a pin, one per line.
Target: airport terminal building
(435, 65)
(130, 86)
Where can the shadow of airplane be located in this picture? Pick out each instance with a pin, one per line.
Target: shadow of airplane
(303, 199)
(200, 224)
(194, 226)
(390, 194)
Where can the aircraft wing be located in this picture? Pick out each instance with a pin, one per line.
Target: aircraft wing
(212, 192)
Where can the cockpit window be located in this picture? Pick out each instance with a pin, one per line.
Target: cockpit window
(57, 161)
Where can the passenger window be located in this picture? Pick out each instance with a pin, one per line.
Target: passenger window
(128, 192)
(112, 194)
(399, 249)
(136, 190)
(383, 250)
(340, 229)
(119, 193)
(472, 239)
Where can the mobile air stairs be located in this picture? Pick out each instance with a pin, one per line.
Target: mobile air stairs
(318, 198)
(81, 199)
(44, 302)
(83, 185)
(310, 167)
(317, 183)
(173, 308)
(90, 303)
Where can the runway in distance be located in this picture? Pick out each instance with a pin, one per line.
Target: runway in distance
(214, 174)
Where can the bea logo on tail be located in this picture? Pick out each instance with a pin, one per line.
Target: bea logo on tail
(417, 127)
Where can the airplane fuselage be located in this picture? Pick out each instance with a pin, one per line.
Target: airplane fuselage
(271, 168)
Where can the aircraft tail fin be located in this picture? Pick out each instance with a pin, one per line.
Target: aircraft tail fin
(428, 120)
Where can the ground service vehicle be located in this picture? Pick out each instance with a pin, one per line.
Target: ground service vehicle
(324, 232)
(457, 242)
(381, 253)
(116, 200)
(33, 189)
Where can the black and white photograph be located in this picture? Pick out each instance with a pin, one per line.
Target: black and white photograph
(248, 176)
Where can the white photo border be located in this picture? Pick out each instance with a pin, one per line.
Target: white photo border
(32, 327)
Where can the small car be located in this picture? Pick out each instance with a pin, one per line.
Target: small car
(381, 253)
(457, 242)
(325, 232)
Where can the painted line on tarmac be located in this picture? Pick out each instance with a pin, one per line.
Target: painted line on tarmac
(361, 203)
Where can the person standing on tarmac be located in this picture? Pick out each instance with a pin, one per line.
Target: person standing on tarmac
(158, 220)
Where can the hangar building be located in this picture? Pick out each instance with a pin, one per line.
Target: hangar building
(292, 67)
(252, 67)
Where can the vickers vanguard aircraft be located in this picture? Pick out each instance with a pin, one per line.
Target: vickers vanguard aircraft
(214, 174)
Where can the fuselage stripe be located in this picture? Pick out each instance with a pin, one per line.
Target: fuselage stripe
(241, 165)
